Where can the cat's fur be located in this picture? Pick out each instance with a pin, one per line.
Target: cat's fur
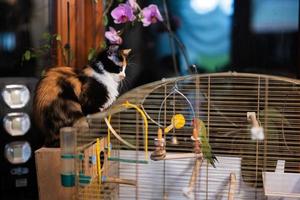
(65, 95)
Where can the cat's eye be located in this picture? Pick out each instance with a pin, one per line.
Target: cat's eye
(15, 96)
(16, 124)
(17, 152)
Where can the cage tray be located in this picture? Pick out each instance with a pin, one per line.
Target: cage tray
(281, 184)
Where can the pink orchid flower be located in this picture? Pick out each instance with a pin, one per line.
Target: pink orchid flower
(133, 4)
(151, 15)
(123, 13)
(113, 36)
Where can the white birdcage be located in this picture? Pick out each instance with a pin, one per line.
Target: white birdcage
(252, 121)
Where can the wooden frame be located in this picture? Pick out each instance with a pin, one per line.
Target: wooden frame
(79, 23)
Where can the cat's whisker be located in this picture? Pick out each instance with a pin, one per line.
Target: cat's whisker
(121, 86)
(125, 84)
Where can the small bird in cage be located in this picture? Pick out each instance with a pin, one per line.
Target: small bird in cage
(205, 147)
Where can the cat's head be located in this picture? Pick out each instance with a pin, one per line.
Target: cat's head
(112, 61)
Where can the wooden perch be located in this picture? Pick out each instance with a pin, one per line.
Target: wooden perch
(232, 186)
(251, 116)
(106, 179)
(182, 156)
(188, 191)
(257, 132)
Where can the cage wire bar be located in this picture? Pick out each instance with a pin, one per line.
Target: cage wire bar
(221, 101)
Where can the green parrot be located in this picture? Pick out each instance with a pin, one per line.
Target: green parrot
(205, 146)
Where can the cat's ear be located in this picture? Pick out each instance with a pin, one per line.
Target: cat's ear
(125, 52)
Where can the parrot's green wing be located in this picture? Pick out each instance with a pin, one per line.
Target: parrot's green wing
(205, 146)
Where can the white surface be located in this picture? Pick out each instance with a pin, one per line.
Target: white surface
(154, 182)
(282, 184)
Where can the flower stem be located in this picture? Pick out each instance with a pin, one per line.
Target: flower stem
(170, 39)
(180, 45)
(107, 6)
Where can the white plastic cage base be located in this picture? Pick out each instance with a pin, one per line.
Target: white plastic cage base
(283, 186)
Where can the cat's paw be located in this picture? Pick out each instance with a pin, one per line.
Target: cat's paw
(81, 123)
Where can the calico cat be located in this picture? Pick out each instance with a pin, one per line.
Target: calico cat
(65, 95)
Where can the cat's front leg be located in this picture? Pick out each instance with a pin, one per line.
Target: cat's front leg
(81, 123)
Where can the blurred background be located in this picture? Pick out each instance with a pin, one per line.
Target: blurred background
(255, 36)
(259, 36)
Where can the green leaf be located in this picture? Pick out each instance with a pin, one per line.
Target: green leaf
(46, 46)
(27, 55)
(34, 55)
(58, 37)
(46, 36)
(43, 72)
(103, 45)
(72, 56)
(92, 53)
(105, 20)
